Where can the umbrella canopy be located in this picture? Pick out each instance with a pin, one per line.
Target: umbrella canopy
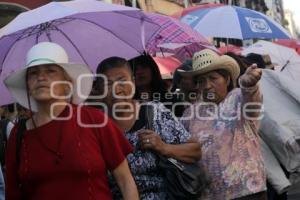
(182, 51)
(175, 38)
(167, 65)
(234, 22)
(231, 48)
(285, 59)
(186, 11)
(291, 43)
(90, 31)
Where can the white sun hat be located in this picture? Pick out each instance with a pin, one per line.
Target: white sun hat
(207, 60)
(45, 53)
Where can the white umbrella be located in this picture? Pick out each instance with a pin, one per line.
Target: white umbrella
(285, 59)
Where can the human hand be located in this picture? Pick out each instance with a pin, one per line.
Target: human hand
(151, 140)
(251, 76)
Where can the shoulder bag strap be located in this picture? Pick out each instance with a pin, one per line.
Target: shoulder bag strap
(21, 128)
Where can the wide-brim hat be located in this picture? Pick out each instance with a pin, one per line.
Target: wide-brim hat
(207, 60)
(50, 53)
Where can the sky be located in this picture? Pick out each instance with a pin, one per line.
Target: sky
(294, 6)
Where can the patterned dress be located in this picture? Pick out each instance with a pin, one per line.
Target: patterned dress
(143, 164)
(230, 146)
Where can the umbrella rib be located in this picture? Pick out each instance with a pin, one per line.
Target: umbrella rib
(107, 31)
(148, 19)
(31, 30)
(73, 44)
(48, 36)
(21, 35)
(176, 33)
(8, 53)
(144, 18)
(36, 40)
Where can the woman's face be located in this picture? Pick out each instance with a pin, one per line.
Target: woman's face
(120, 88)
(40, 78)
(188, 87)
(143, 76)
(212, 86)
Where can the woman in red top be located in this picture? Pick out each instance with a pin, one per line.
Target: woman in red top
(66, 149)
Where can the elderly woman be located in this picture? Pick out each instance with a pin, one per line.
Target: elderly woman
(225, 121)
(167, 137)
(61, 156)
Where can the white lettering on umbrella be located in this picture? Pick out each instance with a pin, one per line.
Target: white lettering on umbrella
(258, 25)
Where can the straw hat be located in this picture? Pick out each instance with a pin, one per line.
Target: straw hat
(207, 60)
(49, 53)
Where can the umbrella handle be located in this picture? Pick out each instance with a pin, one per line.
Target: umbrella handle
(143, 33)
(284, 66)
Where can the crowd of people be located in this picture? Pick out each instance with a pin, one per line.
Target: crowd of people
(91, 141)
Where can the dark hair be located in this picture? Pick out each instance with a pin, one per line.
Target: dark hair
(240, 60)
(186, 66)
(226, 74)
(105, 65)
(157, 84)
(255, 58)
(112, 62)
(11, 107)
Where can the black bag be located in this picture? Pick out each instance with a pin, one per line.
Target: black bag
(3, 140)
(21, 128)
(183, 180)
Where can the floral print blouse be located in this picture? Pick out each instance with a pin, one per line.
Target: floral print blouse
(143, 164)
(230, 147)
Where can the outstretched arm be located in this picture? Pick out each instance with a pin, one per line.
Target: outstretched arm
(252, 98)
(125, 181)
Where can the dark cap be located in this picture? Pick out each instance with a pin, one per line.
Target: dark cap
(252, 58)
(186, 66)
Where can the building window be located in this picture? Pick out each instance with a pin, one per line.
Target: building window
(8, 11)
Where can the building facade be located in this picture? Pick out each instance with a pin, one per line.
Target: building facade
(170, 7)
(275, 10)
(291, 26)
(9, 9)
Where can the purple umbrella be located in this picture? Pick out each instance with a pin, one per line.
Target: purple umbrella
(89, 30)
(175, 38)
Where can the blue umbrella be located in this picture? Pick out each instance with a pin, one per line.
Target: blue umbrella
(234, 22)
